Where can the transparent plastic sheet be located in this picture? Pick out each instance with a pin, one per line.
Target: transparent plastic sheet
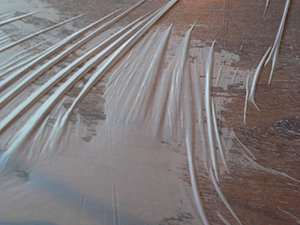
(58, 168)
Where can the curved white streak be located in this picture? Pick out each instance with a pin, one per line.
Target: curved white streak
(246, 98)
(297, 219)
(189, 127)
(271, 170)
(7, 65)
(234, 76)
(17, 18)
(256, 76)
(275, 49)
(218, 136)
(222, 218)
(244, 146)
(219, 75)
(6, 82)
(27, 50)
(266, 7)
(209, 72)
(220, 193)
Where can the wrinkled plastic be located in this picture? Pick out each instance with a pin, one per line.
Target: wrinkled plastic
(57, 165)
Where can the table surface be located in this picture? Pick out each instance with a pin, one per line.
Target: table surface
(263, 189)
